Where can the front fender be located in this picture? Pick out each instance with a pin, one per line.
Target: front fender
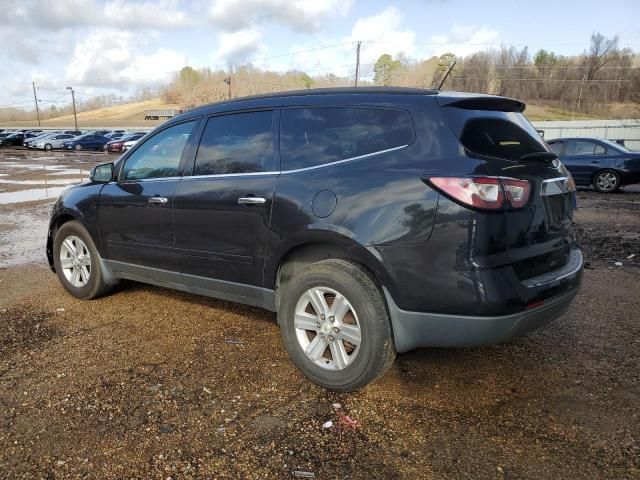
(79, 203)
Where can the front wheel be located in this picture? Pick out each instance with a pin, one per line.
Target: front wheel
(78, 148)
(48, 147)
(335, 325)
(77, 262)
(606, 181)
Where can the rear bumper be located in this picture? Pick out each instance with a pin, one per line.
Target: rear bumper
(419, 329)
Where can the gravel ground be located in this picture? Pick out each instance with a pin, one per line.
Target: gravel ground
(151, 383)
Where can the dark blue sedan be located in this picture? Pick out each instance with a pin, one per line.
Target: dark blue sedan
(594, 161)
(88, 141)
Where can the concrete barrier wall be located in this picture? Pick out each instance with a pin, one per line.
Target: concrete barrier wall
(627, 130)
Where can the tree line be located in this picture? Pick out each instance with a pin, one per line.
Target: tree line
(590, 83)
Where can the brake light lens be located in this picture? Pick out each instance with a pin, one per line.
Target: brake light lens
(517, 192)
(487, 193)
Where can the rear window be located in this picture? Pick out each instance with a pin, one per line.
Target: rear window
(504, 135)
(319, 135)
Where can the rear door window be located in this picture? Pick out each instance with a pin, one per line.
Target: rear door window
(580, 147)
(497, 134)
(236, 143)
(315, 136)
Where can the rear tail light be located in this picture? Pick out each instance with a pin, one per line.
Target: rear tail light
(488, 193)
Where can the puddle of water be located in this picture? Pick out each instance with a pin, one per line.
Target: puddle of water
(46, 181)
(31, 195)
(23, 236)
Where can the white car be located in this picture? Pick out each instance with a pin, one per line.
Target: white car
(54, 141)
(127, 145)
(30, 142)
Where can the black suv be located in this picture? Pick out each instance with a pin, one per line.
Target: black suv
(372, 220)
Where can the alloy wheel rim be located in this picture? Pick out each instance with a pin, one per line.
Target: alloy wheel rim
(607, 181)
(327, 328)
(75, 261)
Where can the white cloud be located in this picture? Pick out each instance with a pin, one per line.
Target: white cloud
(380, 33)
(112, 58)
(120, 14)
(299, 15)
(464, 40)
(239, 46)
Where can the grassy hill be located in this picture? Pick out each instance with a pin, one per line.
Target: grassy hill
(132, 115)
(125, 115)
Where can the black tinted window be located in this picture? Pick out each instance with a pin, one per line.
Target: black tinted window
(315, 136)
(500, 138)
(160, 155)
(494, 133)
(237, 143)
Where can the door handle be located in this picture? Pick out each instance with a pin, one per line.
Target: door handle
(157, 200)
(252, 201)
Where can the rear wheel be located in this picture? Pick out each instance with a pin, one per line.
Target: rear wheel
(606, 181)
(335, 325)
(77, 262)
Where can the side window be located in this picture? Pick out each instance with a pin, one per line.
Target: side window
(160, 155)
(580, 147)
(320, 135)
(236, 143)
(600, 150)
(556, 147)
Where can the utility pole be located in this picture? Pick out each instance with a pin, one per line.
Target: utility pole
(35, 99)
(73, 99)
(227, 80)
(584, 78)
(357, 63)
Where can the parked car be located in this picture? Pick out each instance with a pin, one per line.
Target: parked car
(29, 142)
(13, 139)
(384, 219)
(73, 132)
(87, 141)
(595, 161)
(116, 136)
(54, 141)
(129, 144)
(102, 133)
(117, 145)
(32, 133)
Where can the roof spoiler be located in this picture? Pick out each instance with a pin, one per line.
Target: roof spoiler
(481, 102)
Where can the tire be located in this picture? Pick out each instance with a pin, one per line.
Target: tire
(92, 287)
(77, 148)
(366, 313)
(606, 181)
(48, 147)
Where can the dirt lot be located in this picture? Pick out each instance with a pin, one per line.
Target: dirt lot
(145, 383)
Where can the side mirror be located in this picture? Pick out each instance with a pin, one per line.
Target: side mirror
(102, 173)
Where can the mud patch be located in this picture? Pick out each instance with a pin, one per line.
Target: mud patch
(22, 328)
(598, 245)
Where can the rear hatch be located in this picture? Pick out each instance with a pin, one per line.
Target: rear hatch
(494, 132)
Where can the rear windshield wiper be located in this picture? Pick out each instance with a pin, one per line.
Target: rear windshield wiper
(539, 157)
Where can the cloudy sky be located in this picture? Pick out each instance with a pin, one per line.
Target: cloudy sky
(117, 46)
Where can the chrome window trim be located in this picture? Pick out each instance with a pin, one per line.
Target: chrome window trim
(345, 160)
(247, 174)
(297, 170)
(152, 179)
